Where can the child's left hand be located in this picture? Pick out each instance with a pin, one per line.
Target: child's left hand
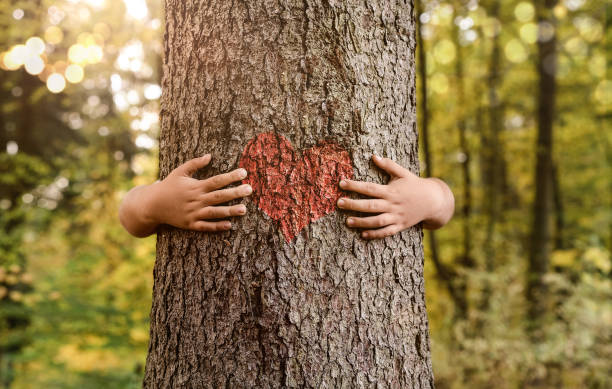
(405, 201)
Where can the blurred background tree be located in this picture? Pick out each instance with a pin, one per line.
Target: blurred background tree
(79, 90)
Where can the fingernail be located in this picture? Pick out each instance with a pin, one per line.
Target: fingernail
(341, 202)
(206, 156)
(242, 209)
(364, 234)
(242, 173)
(376, 157)
(350, 221)
(248, 190)
(227, 225)
(342, 183)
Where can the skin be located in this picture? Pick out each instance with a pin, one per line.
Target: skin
(184, 202)
(404, 201)
(188, 203)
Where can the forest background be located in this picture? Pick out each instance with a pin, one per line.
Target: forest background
(79, 102)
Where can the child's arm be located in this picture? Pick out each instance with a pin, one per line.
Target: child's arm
(183, 201)
(405, 201)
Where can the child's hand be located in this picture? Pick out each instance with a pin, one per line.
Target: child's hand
(184, 202)
(405, 201)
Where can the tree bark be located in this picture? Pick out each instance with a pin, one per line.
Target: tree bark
(270, 304)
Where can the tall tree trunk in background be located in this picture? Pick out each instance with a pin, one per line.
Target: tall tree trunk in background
(559, 209)
(465, 259)
(290, 297)
(540, 243)
(445, 273)
(493, 159)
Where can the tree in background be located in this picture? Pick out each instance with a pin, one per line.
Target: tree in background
(301, 96)
(541, 244)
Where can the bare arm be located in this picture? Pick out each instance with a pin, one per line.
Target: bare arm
(184, 202)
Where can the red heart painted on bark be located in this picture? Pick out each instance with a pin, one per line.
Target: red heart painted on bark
(294, 191)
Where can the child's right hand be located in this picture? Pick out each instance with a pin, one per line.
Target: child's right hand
(183, 201)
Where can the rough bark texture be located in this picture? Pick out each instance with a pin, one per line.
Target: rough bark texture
(250, 308)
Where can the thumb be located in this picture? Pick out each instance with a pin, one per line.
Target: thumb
(191, 166)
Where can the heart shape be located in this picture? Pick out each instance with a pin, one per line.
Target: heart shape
(294, 191)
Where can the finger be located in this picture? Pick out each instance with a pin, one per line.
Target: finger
(191, 166)
(381, 232)
(366, 188)
(389, 166)
(202, 225)
(221, 212)
(370, 222)
(225, 195)
(366, 205)
(221, 180)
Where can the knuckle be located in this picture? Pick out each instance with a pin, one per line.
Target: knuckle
(216, 181)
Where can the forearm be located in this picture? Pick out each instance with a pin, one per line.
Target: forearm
(442, 204)
(134, 212)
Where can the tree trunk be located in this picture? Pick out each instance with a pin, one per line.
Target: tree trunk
(444, 272)
(301, 94)
(465, 260)
(493, 160)
(540, 247)
(559, 209)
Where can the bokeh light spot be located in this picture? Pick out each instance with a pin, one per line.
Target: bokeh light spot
(515, 51)
(524, 11)
(576, 47)
(16, 57)
(545, 31)
(529, 33)
(34, 65)
(74, 73)
(56, 83)
(589, 28)
(12, 147)
(152, 92)
(603, 92)
(560, 11)
(18, 14)
(137, 9)
(444, 51)
(54, 35)
(35, 45)
(597, 65)
(77, 53)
